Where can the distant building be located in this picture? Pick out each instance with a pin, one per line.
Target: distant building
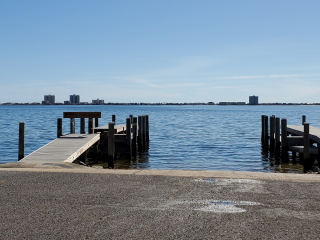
(49, 99)
(74, 99)
(98, 101)
(253, 100)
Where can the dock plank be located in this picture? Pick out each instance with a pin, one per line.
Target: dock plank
(314, 132)
(67, 148)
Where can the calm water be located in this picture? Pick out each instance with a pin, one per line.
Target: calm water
(181, 137)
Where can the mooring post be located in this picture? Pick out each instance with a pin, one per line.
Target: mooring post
(303, 119)
(111, 145)
(59, 127)
(134, 135)
(272, 132)
(144, 132)
(131, 117)
(277, 134)
(147, 130)
(284, 138)
(140, 133)
(262, 129)
(82, 125)
(96, 122)
(72, 126)
(266, 131)
(21, 140)
(90, 126)
(114, 119)
(128, 133)
(306, 149)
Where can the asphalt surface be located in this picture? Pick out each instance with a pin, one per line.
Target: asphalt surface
(86, 203)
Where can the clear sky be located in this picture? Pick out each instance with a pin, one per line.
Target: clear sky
(160, 51)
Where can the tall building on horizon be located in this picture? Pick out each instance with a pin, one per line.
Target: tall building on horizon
(253, 100)
(74, 99)
(49, 99)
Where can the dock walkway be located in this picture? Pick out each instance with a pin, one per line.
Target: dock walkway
(66, 148)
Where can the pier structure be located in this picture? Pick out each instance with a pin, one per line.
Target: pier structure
(100, 143)
(280, 139)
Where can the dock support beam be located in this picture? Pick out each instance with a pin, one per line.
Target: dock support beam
(134, 135)
(303, 119)
(147, 131)
(72, 126)
(90, 126)
(82, 125)
(59, 127)
(306, 151)
(128, 133)
(272, 133)
(21, 140)
(266, 132)
(114, 119)
(111, 145)
(277, 135)
(284, 139)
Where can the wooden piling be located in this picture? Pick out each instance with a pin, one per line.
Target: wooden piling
(272, 133)
(140, 133)
(262, 129)
(284, 139)
(303, 119)
(277, 135)
(306, 149)
(147, 130)
(266, 132)
(114, 119)
(144, 132)
(72, 125)
(128, 133)
(96, 122)
(134, 135)
(82, 125)
(90, 126)
(21, 140)
(59, 127)
(111, 145)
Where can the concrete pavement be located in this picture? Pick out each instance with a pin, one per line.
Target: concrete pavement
(62, 202)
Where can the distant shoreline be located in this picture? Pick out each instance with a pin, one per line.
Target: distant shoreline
(164, 104)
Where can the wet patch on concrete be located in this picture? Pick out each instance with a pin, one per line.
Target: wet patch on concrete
(240, 185)
(217, 206)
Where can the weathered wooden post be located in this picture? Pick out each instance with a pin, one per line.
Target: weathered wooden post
(128, 133)
(262, 129)
(147, 130)
(272, 133)
(266, 131)
(82, 125)
(59, 127)
(72, 125)
(306, 149)
(111, 145)
(134, 135)
(21, 140)
(96, 122)
(303, 119)
(284, 139)
(90, 126)
(114, 119)
(140, 133)
(277, 135)
(144, 132)
(131, 117)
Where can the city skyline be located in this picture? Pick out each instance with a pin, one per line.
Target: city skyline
(168, 51)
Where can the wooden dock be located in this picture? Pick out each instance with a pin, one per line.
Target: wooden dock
(302, 139)
(66, 148)
(100, 144)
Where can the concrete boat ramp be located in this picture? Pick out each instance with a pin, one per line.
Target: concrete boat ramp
(66, 148)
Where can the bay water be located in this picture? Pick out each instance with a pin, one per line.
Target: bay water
(210, 137)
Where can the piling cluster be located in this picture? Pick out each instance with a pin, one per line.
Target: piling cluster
(277, 139)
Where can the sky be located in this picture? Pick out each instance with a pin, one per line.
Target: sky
(160, 50)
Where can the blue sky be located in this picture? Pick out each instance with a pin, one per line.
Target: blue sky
(160, 51)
